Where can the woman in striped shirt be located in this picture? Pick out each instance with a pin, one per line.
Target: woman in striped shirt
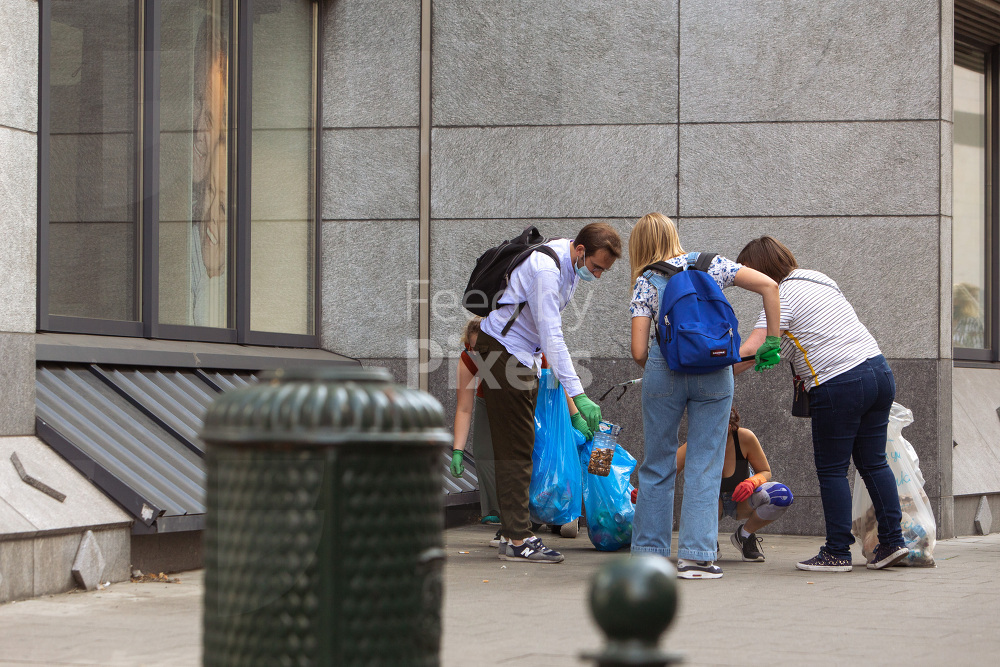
(851, 389)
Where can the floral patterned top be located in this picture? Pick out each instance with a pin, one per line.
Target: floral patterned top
(645, 301)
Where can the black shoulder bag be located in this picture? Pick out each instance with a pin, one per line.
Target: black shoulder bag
(800, 397)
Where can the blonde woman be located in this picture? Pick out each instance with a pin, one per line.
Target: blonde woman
(666, 394)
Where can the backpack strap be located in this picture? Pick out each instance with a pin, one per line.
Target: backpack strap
(541, 247)
(704, 261)
(668, 269)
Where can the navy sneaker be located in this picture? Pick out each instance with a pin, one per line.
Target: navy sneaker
(532, 551)
(749, 546)
(825, 562)
(886, 556)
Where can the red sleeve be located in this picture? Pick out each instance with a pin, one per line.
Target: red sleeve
(469, 363)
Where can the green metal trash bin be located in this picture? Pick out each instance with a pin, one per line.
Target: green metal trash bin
(323, 541)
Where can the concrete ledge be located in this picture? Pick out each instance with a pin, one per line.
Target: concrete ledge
(44, 565)
(167, 552)
(966, 509)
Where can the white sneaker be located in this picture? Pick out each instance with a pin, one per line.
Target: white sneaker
(698, 569)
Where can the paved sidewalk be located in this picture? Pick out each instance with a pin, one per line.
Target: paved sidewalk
(758, 613)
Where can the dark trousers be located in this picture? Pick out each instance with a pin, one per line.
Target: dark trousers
(850, 419)
(510, 390)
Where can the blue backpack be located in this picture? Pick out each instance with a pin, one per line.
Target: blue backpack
(697, 330)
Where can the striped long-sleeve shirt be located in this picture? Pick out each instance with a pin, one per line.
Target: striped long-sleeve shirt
(822, 334)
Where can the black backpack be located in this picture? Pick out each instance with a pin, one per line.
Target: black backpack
(492, 273)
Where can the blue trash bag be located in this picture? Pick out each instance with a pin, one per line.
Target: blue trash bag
(608, 501)
(556, 488)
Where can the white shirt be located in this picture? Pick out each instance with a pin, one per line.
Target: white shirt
(547, 289)
(823, 335)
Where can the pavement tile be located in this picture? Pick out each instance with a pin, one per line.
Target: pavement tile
(539, 614)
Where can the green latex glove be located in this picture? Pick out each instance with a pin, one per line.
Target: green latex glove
(768, 354)
(589, 410)
(580, 424)
(457, 465)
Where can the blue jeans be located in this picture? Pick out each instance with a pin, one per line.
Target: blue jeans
(850, 417)
(707, 399)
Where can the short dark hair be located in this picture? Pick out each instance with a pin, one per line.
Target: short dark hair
(769, 256)
(597, 236)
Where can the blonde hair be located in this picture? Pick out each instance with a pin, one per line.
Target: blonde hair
(471, 328)
(653, 239)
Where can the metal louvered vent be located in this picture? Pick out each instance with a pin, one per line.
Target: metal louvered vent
(133, 432)
(977, 31)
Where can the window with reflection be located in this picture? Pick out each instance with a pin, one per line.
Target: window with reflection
(93, 143)
(969, 232)
(162, 216)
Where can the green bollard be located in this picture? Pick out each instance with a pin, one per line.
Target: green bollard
(633, 601)
(324, 529)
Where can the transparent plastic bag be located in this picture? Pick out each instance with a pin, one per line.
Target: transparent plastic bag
(918, 524)
(556, 487)
(608, 501)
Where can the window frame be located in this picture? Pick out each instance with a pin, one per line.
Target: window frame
(147, 208)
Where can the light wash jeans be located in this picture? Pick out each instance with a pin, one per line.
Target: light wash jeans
(707, 399)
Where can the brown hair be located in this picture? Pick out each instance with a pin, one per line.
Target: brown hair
(653, 239)
(471, 329)
(734, 420)
(599, 236)
(769, 256)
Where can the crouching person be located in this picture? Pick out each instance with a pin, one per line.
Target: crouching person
(747, 493)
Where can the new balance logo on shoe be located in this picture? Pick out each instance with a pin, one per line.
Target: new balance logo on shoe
(531, 551)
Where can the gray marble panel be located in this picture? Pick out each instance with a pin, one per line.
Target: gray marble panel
(54, 556)
(371, 63)
(402, 371)
(538, 172)
(946, 263)
(947, 167)
(564, 62)
(810, 169)
(945, 432)
(840, 60)
(595, 323)
(19, 65)
(17, 377)
(947, 41)
(117, 550)
(976, 430)
(370, 174)
(888, 268)
(18, 228)
(369, 282)
(17, 569)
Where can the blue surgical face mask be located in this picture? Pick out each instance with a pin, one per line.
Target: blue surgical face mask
(583, 272)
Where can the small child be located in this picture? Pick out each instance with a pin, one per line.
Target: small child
(747, 493)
